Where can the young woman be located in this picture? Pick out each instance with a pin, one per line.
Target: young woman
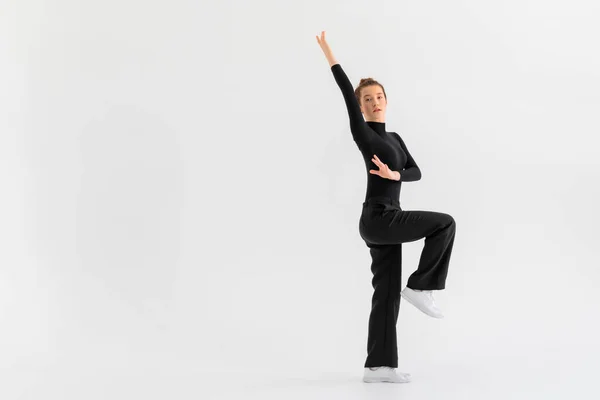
(384, 226)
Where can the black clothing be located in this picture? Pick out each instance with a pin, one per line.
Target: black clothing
(372, 138)
(384, 226)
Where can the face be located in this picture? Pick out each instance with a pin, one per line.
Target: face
(372, 99)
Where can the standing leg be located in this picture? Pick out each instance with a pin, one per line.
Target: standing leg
(382, 346)
(384, 228)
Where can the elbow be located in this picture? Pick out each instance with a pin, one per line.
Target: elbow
(418, 174)
(412, 174)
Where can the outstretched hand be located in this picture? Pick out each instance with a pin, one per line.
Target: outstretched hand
(326, 49)
(323, 43)
(384, 170)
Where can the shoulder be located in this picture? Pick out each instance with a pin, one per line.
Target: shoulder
(400, 140)
(395, 134)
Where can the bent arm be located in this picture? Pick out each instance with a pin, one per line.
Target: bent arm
(411, 171)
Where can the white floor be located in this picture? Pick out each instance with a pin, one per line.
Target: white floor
(497, 379)
(94, 345)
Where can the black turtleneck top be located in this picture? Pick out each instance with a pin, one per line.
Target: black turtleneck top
(372, 138)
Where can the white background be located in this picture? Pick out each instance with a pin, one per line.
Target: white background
(180, 197)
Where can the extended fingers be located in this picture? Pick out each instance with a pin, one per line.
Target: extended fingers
(322, 38)
(377, 161)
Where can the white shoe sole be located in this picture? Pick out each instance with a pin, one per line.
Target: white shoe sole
(377, 379)
(425, 311)
(384, 380)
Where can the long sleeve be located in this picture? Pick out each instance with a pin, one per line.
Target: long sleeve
(411, 171)
(358, 127)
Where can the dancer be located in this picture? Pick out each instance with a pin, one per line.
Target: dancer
(384, 226)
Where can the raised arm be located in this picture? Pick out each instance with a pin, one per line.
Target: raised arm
(358, 125)
(354, 113)
(411, 171)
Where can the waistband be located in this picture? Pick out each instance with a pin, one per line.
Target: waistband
(381, 200)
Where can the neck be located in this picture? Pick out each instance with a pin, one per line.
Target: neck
(377, 126)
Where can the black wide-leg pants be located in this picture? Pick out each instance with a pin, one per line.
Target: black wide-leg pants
(384, 226)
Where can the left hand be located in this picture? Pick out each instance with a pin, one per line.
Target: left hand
(384, 170)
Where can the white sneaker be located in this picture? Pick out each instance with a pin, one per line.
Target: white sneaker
(423, 300)
(385, 374)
